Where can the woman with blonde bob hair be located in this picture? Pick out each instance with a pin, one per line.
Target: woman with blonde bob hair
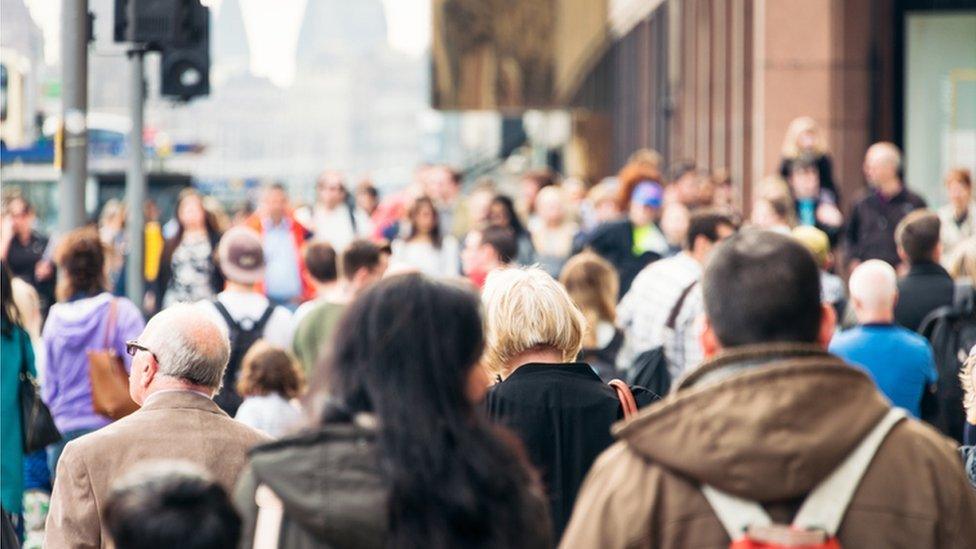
(804, 138)
(560, 409)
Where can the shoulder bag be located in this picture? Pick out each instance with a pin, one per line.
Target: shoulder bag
(37, 427)
(109, 381)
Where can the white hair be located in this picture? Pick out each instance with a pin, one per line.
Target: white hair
(188, 345)
(874, 284)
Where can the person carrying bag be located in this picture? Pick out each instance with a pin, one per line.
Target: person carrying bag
(109, 380)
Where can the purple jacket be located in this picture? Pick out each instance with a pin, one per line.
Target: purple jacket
(72, 329)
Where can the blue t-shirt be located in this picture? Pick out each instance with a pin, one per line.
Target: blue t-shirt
(282, 279)
(899, 361)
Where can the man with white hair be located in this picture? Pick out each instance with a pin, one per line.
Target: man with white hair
(177, 365)
(871, 229)
(900, 361)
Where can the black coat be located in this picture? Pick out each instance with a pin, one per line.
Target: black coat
(614, 241)
(871, 226)
(562, 413)
(925, 288)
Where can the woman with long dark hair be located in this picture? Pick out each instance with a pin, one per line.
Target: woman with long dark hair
(402, 458)
(426, 248)
(187, 270)
(501, 213)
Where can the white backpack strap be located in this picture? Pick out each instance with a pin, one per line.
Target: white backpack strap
(267, 527)
(735, 514)
(824, 508)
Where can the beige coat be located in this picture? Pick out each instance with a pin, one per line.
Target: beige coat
(172, 425)
(768, 423)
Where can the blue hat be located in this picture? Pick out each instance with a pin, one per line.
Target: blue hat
(648, 193)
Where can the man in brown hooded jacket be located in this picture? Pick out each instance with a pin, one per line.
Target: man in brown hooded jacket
(766, 418)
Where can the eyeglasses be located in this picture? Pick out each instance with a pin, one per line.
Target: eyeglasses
(133, 347)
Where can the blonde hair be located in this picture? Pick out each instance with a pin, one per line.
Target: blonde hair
(526, 309)
(592, 283)
(969, 390)
(798, 126)
(962, 266)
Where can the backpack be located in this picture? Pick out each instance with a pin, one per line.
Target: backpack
(243, 334)
(650, 368)
(951, 330)
(815, 525)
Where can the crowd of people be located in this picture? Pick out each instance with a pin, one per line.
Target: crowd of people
(629, 364)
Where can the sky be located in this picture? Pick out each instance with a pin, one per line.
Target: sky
(272, 28)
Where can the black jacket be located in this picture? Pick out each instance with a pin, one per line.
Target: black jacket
(925, 288)
(614, 241)
(871, 227)
(562, 413)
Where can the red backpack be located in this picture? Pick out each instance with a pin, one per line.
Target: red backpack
(815, 525)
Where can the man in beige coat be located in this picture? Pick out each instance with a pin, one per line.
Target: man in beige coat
(177, 366)
(766, 418)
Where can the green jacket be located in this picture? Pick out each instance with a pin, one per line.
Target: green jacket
(15, 348)
(314, 331)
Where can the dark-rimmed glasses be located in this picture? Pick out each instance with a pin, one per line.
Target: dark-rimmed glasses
(132, 347)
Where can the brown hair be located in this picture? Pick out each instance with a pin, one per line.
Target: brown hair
(360, 254)
(961, 175)
(320, 260)
(81, 257)
(628, 178)
(266, 369)
(592, 283)
(918, 235)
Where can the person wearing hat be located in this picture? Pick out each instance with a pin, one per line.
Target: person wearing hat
(633, 243)
(831, 286)
(244, 312)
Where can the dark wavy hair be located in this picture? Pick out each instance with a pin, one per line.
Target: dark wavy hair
(209, 219)
(514, 222)
(404, 351)
(81, 257)
(435, 232)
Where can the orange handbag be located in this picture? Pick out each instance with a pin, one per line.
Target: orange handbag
(109, 380)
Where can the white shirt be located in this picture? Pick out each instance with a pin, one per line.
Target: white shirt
(423, 256)
(271, 414)
(335, 226)
(644, 310)
(251, 305)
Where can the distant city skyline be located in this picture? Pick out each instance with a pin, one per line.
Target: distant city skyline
(272, 31)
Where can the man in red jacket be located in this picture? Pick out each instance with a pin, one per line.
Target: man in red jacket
(286, 280)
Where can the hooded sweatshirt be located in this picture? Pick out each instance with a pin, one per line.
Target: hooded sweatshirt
(768, 423)
(72, 329)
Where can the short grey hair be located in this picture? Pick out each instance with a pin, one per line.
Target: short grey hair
(188, 345)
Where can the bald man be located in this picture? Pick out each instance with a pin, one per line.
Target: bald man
(899, 360)
(177, 365)
(871, 228)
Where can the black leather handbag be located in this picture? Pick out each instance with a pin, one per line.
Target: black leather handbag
(36, 424)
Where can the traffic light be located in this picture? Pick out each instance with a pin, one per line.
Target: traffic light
(185, 62)
(152, 23)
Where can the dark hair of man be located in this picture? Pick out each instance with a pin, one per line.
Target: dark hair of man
(174, 509)
(435, 232)
(276, 186)
(366, 187)
(682, 169)
(918, 235)
(503, 241)
(762, 287)
(706, 223)
(320, 260)
(8, 309)
(453, 482)
(358, 255)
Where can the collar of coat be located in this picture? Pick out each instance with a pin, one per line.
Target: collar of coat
(765, 422)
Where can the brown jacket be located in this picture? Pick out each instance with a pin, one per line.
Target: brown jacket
(172, 425)
(767, 423)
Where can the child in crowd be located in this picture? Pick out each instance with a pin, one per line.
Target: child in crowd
(270, 381)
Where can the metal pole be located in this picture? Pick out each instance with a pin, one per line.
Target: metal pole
(74, 111)
(135, 183)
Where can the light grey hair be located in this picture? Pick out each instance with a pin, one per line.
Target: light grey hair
(188, 345)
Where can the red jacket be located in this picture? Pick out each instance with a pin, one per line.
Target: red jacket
(299, 235)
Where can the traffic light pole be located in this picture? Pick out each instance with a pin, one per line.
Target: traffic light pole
(74, 113)
(135, 182)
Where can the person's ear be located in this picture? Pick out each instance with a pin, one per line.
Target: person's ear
(149, 370)
(828, 323)
(709, 340)
(937, 253)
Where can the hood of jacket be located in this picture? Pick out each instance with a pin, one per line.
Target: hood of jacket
(329, 482)
(83, 320)
(764, 422)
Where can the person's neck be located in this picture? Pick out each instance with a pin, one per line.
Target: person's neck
(329, 207)
(166, 383)
(326, 290)
(554, 223)
(195, 229)
(534, 356)
(422, 237)
(698, 255)
(238, 287)
(24, 235)
(876, 317)
(890, 187)
(276, 221)
(960, 211)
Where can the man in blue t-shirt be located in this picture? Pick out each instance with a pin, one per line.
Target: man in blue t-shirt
(899, 360)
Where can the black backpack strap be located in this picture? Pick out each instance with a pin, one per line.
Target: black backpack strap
(351, 208)
(265, 317)
(231, 323)
(673, 317)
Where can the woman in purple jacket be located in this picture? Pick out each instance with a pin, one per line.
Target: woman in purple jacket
(79, 323)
